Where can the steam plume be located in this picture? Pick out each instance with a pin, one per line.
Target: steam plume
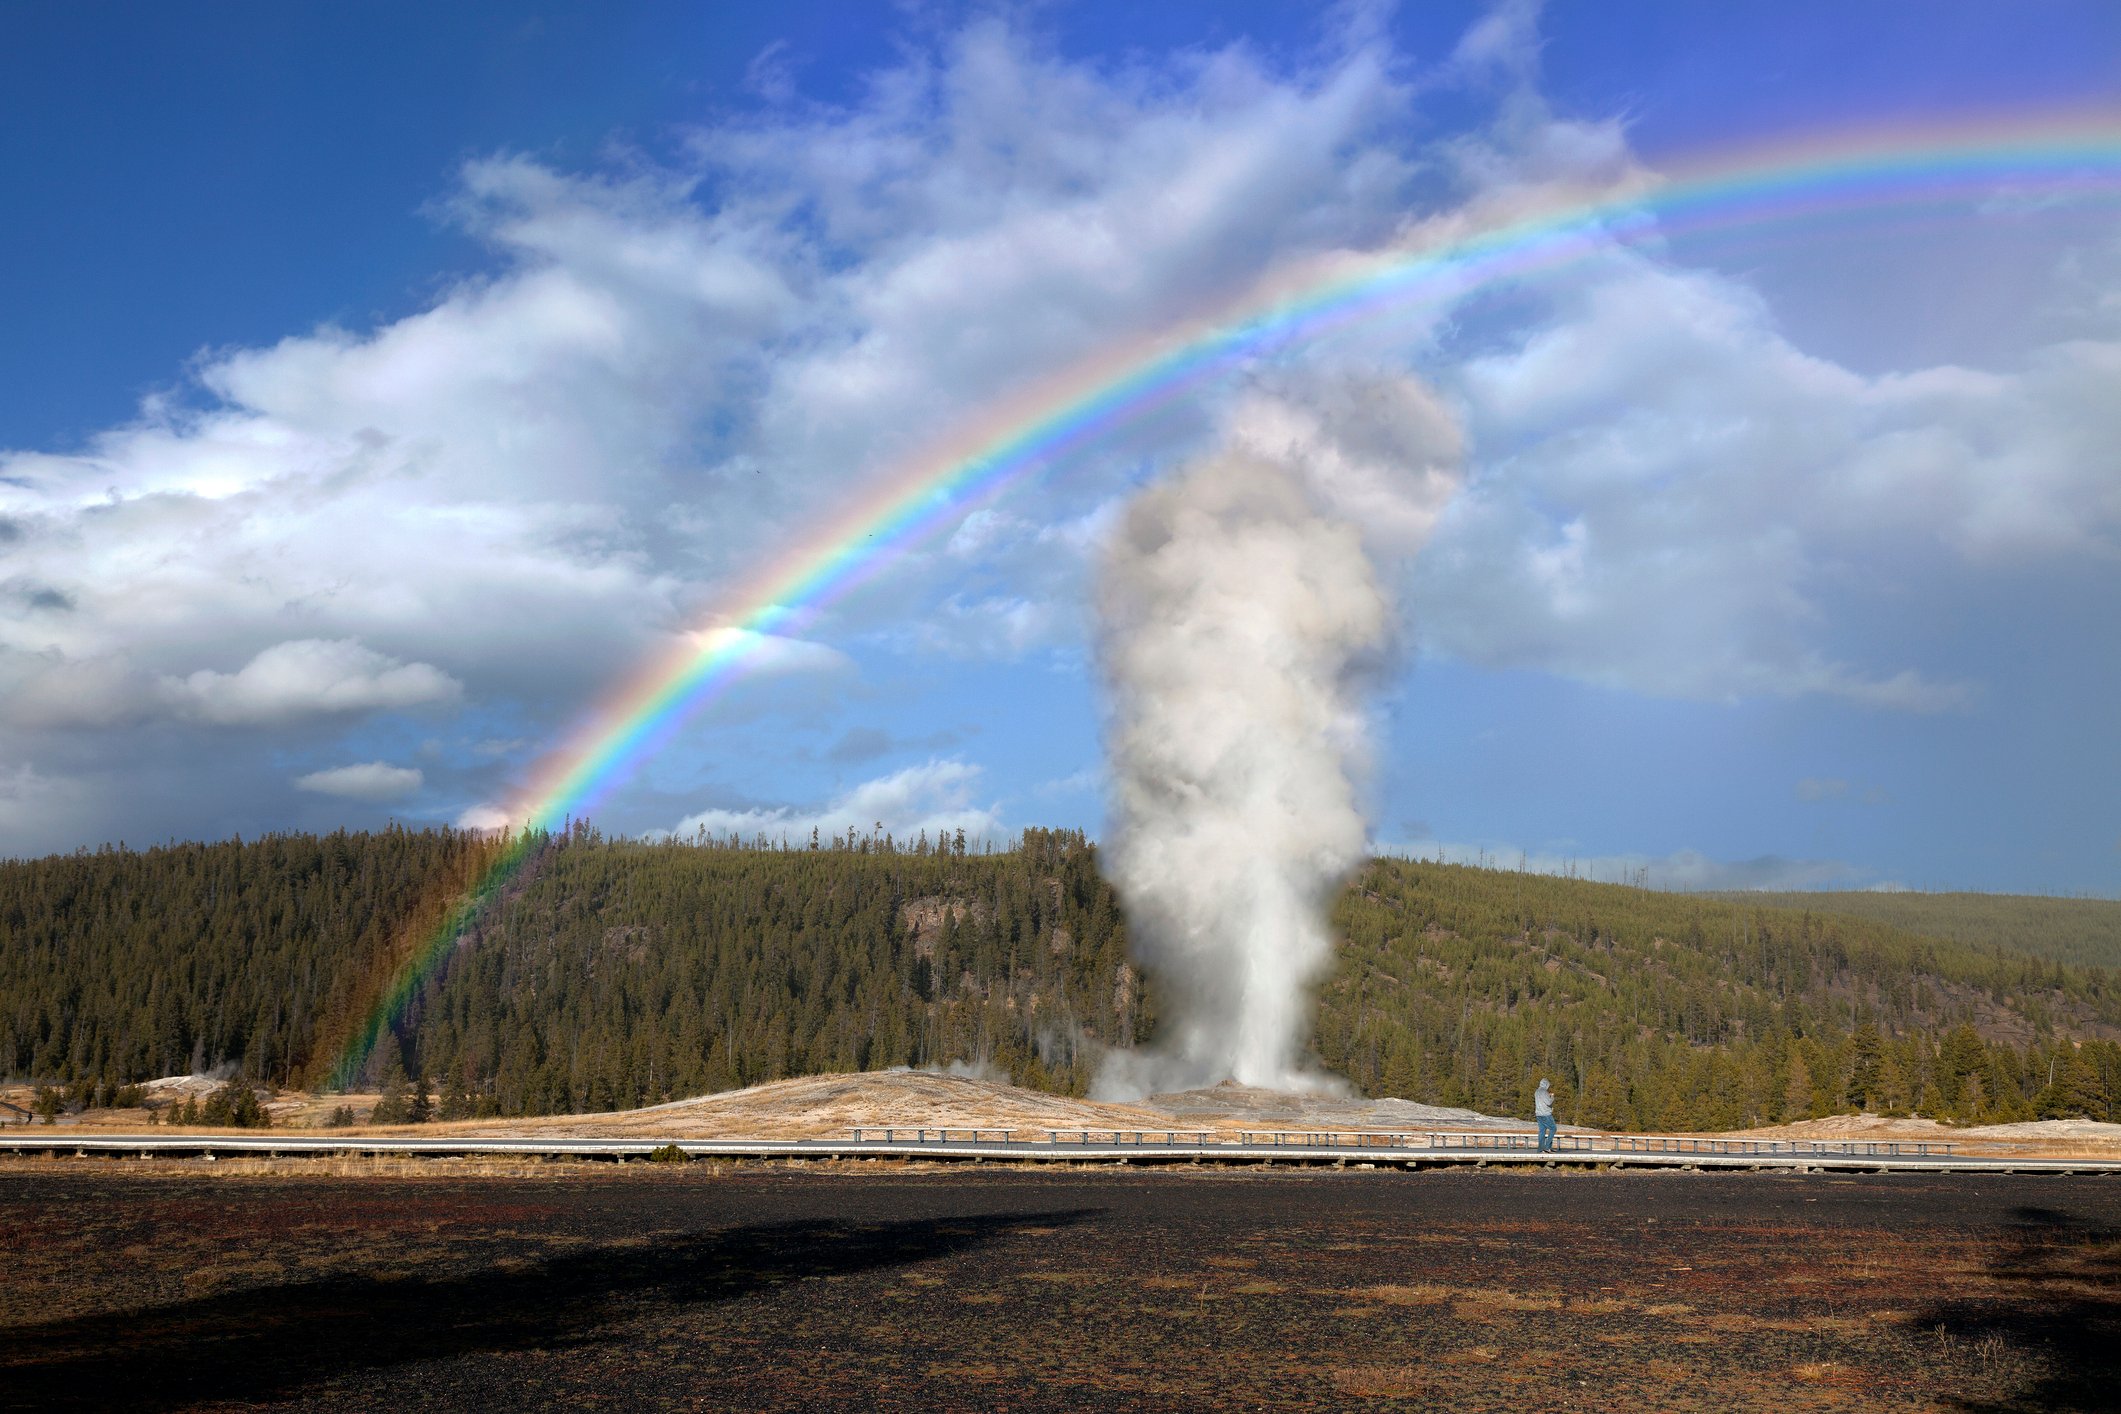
(1241, 614)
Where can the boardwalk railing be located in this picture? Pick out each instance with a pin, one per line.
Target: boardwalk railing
(1693, 1144)
(936, 1136)
(1455, 1140)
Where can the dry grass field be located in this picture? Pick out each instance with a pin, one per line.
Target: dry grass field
(873, 1286)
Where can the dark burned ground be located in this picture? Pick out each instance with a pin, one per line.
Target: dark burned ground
(872, 1288)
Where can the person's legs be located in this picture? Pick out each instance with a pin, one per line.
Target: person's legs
(1547, 1127)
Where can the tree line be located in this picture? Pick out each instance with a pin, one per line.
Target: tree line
(609, 973)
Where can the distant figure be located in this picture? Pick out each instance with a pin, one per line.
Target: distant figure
(1543, 1110)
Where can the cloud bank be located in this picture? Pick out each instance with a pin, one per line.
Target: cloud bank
(466, 523)
(369, 781)
(936, 797)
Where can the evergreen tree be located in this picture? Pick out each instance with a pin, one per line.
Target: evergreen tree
(396, 1102)
(1865, 1066)
(1798, 1098)
(2078, 1091)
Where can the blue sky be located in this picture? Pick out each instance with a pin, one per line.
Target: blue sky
(382, 382)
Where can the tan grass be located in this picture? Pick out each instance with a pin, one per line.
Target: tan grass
(1732, 1322)
(966, 1372)
(1599, 1306)
(1417, 1294)
(1515, 1301)
(1379, 1381)
(1824, 1372)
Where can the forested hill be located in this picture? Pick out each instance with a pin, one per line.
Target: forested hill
(2082, 931)
(1660, 1010)
(614, 973)
(607, 972)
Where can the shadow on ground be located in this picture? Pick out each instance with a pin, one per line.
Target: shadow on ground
(2061, 1313)
(267, 1341)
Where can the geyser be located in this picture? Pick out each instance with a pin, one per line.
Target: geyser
(1241, 615)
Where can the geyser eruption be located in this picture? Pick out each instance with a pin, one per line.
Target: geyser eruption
(1241, 615)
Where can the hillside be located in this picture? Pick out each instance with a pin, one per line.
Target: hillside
(605, 973)
(612, 974)
(2084, 932)
(1668, 1011)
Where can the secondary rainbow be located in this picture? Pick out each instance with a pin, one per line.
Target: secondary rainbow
(1937, 170)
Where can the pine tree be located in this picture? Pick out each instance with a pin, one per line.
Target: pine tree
(1798, 1101)
(395, 1104)
(1866, 1054)
(2077, 1091)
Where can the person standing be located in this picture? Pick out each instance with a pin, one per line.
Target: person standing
(1543, 1111)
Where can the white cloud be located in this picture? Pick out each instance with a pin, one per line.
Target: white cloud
(1821, 788)
(373, 781)
(1088, 781)
(1671, 499)
(997, 625)
(1682, 870)
(1505, 40)
(285, 683)
(485, 815)
(305, 678)
(936, 796)
(765, 653)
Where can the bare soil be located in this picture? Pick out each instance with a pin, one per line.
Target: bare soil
(870, 1286)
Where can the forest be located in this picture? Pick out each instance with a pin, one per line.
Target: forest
(609, 973)
(2085, 931)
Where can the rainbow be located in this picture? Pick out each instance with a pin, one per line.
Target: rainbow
(1936, 169)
